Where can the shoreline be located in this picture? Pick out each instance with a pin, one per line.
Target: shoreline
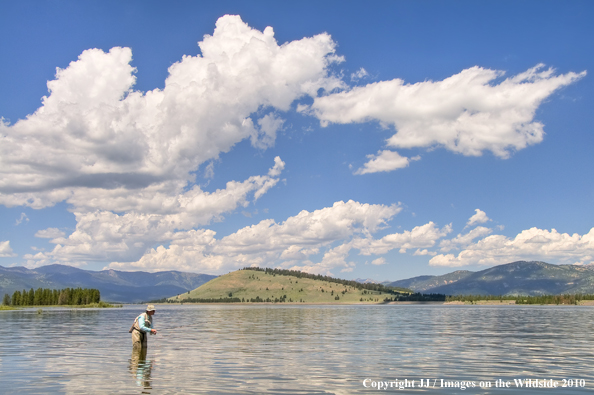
(478, 303)
(100, 305)
(513, 302)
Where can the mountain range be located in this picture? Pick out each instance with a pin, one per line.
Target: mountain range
(114, 285)
(516, 278)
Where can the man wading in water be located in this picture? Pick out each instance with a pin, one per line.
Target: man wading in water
(143, 325)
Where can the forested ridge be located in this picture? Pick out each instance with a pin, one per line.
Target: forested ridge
(52, 297)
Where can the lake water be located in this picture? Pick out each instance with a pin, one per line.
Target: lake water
(290, 349)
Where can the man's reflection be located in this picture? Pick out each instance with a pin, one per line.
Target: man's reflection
(141, 368)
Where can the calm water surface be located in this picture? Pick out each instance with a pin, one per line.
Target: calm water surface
(275, 349)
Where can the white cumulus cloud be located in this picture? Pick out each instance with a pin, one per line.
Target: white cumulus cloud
(50, 233)
(5, 250)
(423, 236)
(270, 243)
(468, 113)
(385, 160)
(379, 261)
(103, 235)
(125, 160)
(480, 217)
(532, 244)
(463, 240)
(95, 132)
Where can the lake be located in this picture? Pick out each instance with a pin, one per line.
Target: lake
(301, 349)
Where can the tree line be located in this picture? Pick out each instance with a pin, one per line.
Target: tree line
(52, 297)
(417, 297)
(553, 299)
(475, 298)
(523, 299)
(349, 283)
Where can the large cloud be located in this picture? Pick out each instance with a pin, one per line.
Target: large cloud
(467, 113)
(334, 232)
(462, 240)
(531, 244)
(94, 131)
(125, 160)
(271, 243)
(423, 236)
(102, 235)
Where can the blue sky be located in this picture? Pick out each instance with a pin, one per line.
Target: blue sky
(378, 140)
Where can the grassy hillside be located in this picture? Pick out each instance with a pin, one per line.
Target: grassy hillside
(249, 284)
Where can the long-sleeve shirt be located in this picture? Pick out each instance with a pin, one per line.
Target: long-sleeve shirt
(142, 324)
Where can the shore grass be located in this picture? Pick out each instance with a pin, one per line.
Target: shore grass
(482, 302)
(249, 284)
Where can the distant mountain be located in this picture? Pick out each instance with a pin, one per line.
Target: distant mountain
(517, 278)
(589, 266)
(425, 283)
(366, 281)
(114, 285)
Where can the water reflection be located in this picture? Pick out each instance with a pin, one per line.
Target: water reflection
(141, 369)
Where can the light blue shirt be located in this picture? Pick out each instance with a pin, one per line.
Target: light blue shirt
(142, 324)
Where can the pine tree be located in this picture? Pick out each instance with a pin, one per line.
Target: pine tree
(31, 297)
(16, 298)
(37, 297)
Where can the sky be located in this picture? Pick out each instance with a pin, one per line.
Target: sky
(381, 140)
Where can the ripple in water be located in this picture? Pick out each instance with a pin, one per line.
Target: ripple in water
(290, 349)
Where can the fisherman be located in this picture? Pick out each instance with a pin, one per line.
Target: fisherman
(143, 325)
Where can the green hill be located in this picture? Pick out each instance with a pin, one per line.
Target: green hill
(257, 285)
